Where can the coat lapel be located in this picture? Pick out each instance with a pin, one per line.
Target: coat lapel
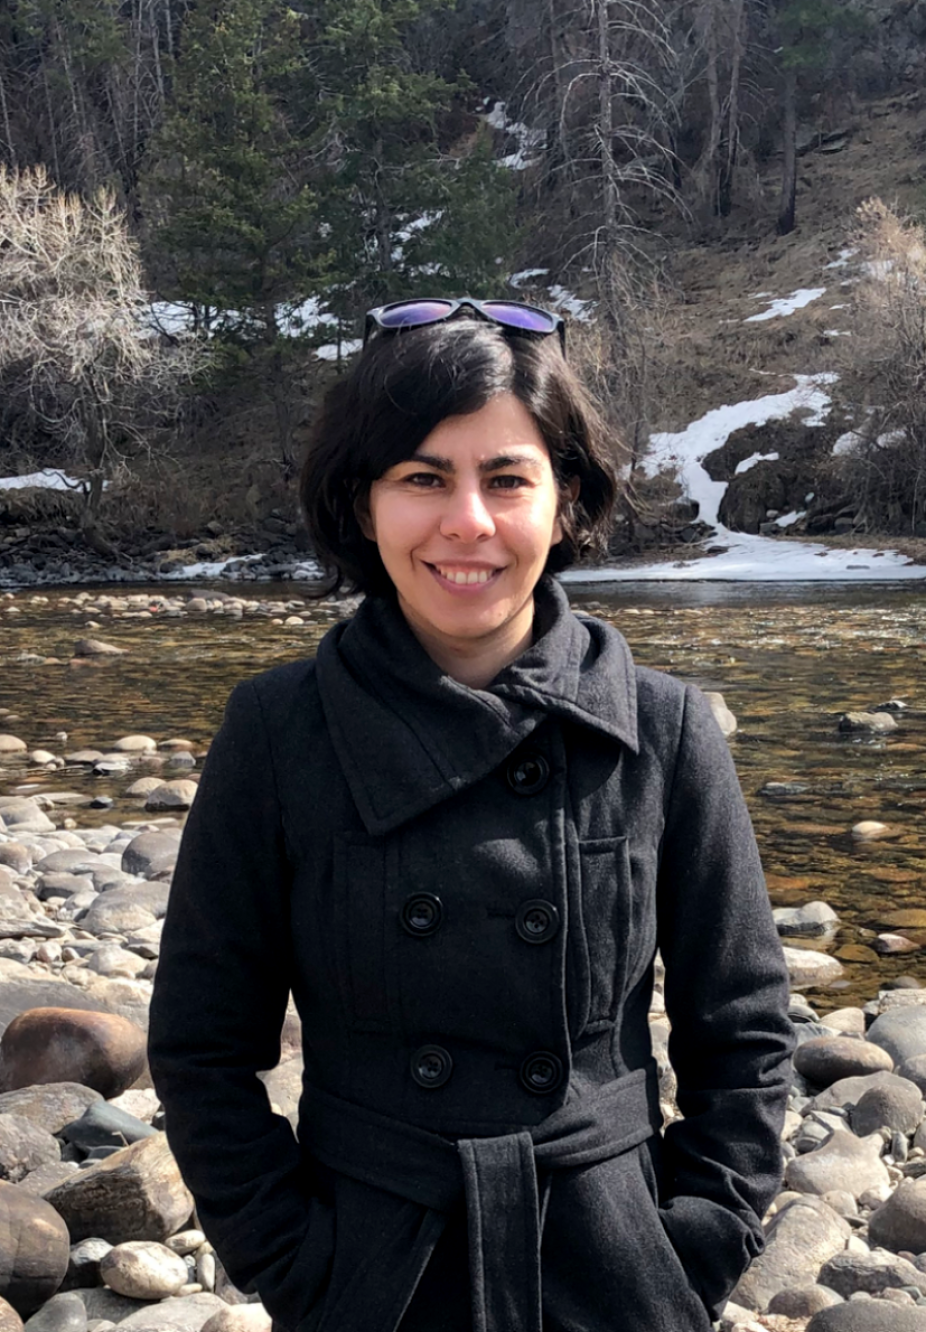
(407, 736)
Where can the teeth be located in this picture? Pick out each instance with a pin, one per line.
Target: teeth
(462, 578)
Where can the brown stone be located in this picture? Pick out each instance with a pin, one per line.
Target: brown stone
(99, 1050)
(50, 1105)
(34, 1249)
(10, 1320)
(135, 1194)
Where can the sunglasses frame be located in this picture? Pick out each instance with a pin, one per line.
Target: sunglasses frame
(373, 321)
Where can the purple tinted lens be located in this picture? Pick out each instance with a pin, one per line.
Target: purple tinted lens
(414, 312)
(520, 316)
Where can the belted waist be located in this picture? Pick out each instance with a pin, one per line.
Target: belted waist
(497, 1177)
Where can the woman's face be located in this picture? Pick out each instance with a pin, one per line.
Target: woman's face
(464, 528)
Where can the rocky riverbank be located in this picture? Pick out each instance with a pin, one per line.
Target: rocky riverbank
(103, 1230)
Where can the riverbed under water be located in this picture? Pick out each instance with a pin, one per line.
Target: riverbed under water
(789, 661)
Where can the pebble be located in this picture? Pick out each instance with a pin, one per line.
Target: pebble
(143, 1270)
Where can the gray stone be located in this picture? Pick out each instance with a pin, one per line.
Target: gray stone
(900, 1031)
(103, 1125)
(876, 722)
(243, 1318)
(800, 1239)
(84, 1264)
(16, 857)
(150, 853)
(75, 860)
(847, 1092)
(24, 1147)
(844, 1162)
(178, 794)
(58, 883)
(825, 1060)
(914, 1070)
(814, 920)
(181, 1313)
(123, 910)
(102, 1303)
(21, 815)
(113, 960)
(722, 714)
(868, 1316)
(873, 1272)
(39, 1182)
(62, 1313)
(896, 1106)
(34, 1249)
(806, 967)
(803, 1301)
(95, 647)
(900, 1224)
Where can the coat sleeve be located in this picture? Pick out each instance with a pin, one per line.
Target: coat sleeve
(726, 990)
(217, 1011)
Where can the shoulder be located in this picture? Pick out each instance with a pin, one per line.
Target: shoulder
(276, 698)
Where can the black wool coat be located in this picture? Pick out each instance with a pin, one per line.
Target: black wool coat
(465, 891)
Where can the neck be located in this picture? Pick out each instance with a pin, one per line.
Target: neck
(475, 662)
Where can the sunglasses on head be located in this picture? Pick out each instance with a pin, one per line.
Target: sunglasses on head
(514, 315)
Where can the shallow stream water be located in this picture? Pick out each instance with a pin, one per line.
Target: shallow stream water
(788, 660)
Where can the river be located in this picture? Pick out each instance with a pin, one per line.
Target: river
(789, 660)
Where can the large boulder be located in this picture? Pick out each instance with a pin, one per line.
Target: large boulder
(134, 1194)
(34, 1249)
(99, 1050)
(150, 853)
(800, 1239)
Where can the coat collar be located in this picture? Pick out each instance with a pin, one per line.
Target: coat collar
(407, 736)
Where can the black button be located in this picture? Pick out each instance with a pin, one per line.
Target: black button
(421, 915)
(527, 774)
(537, 921)
(541, 1073)
(431, 1066)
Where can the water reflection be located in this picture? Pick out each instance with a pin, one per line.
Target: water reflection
(789, 661)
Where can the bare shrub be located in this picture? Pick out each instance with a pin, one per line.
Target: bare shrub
(884, 374)
(84, 379)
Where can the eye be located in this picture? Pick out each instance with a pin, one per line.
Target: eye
(508, 481)
(424, 480)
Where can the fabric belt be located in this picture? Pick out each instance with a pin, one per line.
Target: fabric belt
(496, 1176)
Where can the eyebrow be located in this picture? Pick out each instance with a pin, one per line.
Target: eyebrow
(496, 464)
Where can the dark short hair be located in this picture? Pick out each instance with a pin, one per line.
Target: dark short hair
(402, 386)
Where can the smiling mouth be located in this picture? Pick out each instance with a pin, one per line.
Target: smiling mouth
(463, 577)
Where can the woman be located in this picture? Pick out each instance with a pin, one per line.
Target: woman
(459, 837)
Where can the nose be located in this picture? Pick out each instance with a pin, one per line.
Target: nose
(466, 516)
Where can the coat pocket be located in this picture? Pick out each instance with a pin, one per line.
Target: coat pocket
(606, 892)
(359, 909)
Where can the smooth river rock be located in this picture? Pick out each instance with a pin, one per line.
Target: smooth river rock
(873, 1272)
(143, 1270)
(900, 1223)
(99, 1050)
(150, 853)
(825, 1059)
(240, 1318)
(895, 1105)
(34, 1249)
(900, 1031)
(806, 967)
(868, 1316)
(62, 1313)
(844, 1162)
(10, 1320)
(24, 1147)
(180, 1313)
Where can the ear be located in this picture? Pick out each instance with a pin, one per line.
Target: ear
(569, 493)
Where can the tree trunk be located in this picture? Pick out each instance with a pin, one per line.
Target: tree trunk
(607, 247)
(732, 117)
(7, 131)
(786, 207)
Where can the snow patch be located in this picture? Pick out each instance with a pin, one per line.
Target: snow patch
(786, 305)
(766, 560)
(332, 350)
(49, 478)
(529, 140)
(518, 279)
(841, 259)
(751, 461)
(561, 299)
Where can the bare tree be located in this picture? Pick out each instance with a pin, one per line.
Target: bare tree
(79, 365)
